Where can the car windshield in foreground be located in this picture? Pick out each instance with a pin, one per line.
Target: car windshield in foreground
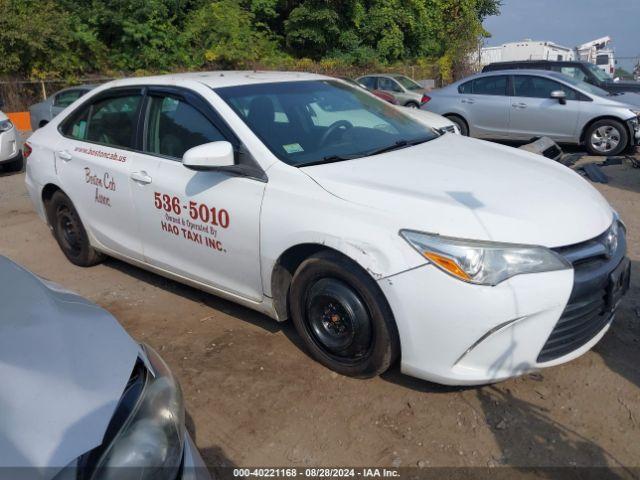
(322, 121)
(407, 83)
(599, 73)
(581, 85)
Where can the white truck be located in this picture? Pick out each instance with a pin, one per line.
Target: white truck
(599, 53)
(596, 51)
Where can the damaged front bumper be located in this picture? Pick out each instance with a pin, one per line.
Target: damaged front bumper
(457, 333)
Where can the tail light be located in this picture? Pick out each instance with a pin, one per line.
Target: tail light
(26, 150)
(425, 98)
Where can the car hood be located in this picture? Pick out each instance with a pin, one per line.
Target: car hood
(629, 99)
(631, 84)
(64, 363)
(462, 187)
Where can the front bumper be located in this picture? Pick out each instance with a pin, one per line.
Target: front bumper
(456, 333)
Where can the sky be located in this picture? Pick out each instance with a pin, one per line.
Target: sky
(570, 23)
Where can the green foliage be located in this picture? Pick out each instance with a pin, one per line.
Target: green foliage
(69, 37)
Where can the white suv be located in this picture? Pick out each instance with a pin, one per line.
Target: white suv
(303, 197)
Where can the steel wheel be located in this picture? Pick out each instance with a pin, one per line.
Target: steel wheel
(605, 139)
(70, 230)
(338, 320)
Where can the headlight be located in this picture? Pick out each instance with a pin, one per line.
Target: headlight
(484, 263)
(149, 444)
(5, 125)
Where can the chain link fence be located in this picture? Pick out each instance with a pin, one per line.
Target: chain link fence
(19, 94)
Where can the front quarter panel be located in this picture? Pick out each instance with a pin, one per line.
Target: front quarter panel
(296, 211)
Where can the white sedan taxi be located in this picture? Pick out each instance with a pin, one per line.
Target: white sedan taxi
(303, 197)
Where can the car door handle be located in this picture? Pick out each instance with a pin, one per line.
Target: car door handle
(64, 155)
(470, 101)
(519, 105)
(141, 177)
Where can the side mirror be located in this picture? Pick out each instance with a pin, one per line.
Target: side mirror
(559, 95)
(209, 156)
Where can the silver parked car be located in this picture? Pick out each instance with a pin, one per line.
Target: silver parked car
(519, 105)
(406, 91)
(80, 398)
(42, 113)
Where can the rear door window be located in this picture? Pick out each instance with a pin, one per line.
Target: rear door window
(110, 121)
(388, 84)
(369, 82)
(466, 87)
(493, 85)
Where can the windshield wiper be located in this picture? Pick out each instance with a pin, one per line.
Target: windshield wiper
(397, 146)
(341, 158)
(331, 159)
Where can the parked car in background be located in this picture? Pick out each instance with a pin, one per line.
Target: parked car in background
(519, 105)
(42, 113)
(303, 197)
(386, 96)
(432, 120)
(407, 92)
(10, 153)
(80, 398)
(582, 71)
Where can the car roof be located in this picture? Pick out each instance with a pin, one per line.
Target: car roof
(218, 79)
(84, 86)
(514, 71)
(532, 62)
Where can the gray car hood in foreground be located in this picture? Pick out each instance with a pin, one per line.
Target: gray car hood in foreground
(64, 363)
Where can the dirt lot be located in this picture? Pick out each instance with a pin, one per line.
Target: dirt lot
(256, 399)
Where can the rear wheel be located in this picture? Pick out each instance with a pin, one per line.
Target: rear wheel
(70, 232)
(342, 316)
(460, 123)
(412, 105)
(606, 137)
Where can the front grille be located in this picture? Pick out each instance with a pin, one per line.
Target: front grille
(587, 312)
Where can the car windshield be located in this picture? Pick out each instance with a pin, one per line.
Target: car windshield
(407, 83)
(581, 85)
(599, 73)
(312, 122)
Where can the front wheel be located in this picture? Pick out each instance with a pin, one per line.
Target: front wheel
(342, 316)
(460, 123)
(70, 232)
(606, 137)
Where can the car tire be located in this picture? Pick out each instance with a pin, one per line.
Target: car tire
(70, 232)
(606, 137)
(411, 105)
(342, 316)
(460, 123)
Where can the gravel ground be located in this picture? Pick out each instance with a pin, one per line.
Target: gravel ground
(254, 398)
